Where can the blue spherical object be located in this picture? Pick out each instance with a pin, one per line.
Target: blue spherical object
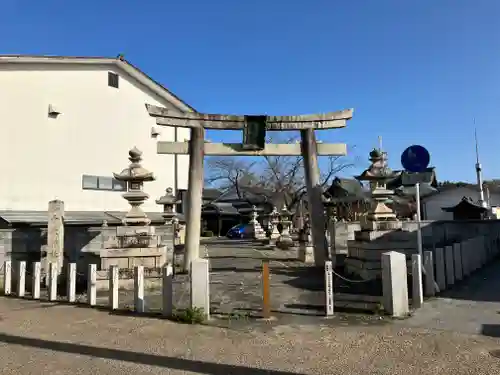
(415, 159)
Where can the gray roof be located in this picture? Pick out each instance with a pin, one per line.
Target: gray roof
(74, 217)
(223, 208)
(465, 203)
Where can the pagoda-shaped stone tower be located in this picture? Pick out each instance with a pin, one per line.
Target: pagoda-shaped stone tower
(135, 241)
(135, 176)
(380, 216)
(380, 230)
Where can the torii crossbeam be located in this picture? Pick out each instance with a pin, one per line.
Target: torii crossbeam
(254, 131)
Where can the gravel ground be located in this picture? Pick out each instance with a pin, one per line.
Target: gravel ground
(42, 338)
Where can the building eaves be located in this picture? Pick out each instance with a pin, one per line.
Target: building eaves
(95, 218)
(121, 63)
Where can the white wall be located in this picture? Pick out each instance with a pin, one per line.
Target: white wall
(44, 158)
(432, 206)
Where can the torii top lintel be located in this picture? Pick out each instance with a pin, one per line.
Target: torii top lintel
(330, 120)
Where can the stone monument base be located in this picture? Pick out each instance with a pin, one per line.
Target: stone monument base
(306, 253)
(365, 251)
(152, 257)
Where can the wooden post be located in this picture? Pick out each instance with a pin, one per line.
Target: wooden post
(194, 199)
(314, 194)
(266, 292)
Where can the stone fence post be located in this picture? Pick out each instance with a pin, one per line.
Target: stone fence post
(394, 284)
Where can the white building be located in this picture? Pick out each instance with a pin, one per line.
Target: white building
(67, 123)
(432, 206)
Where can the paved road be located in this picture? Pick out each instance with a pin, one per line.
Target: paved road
(473, 306)
(41, 338)
(44, 338)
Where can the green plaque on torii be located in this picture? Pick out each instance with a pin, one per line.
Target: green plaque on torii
(254, 133)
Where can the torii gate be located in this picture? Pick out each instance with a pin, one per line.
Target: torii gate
(254, 132)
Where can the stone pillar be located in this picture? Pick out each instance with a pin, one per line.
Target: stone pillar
(53, 281)
(417, 285)
(55, 236)
(200, 286)
(21, 278)
(457, 257)
(139, 303)
(314, 194)
(167, 290)
(449, 265)
(194, 199)
(429, 287)
(440, 269)
(7, 277)
(92, 285)
(394, 284)
(71, 282)
(114, 281)
(36, 280)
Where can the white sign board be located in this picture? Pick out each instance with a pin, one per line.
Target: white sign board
(329, 287)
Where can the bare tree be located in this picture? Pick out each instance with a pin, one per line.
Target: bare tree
(282, 175)
(231, 172)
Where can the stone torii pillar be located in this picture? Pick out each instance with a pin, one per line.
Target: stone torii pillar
(254, 132)
(314, 195)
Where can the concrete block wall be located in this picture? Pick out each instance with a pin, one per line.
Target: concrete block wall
(457, 261)
(434, 233)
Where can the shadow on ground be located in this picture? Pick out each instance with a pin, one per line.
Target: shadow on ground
(313, 279)
(481, 286)
(491, 330)
(173, 363)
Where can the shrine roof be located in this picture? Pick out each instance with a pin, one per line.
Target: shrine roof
(209, 193)
(466, 203)
(223, 208)
(346, 190)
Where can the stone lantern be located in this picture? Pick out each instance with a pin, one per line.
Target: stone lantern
(285, 240)
(377, 175)
(306, 249)
(135, 176)
(274, 220)
(168, 201)
(258, 232)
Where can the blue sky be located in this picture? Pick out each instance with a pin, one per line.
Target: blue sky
(415, 72)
